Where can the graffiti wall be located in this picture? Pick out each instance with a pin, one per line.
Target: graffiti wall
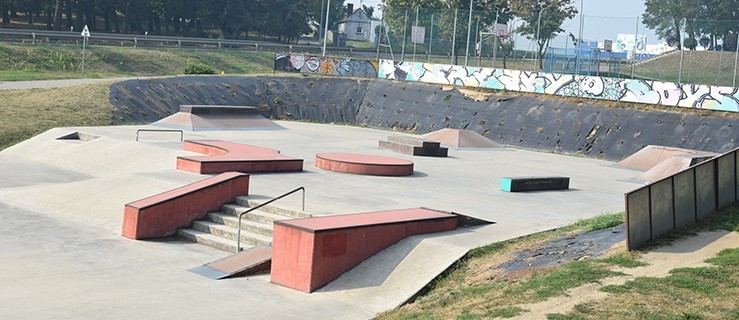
(625, 90)
(326, 66)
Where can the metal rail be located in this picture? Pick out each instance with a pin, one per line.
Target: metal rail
(138, 40)
(182, 134)
(238, 233)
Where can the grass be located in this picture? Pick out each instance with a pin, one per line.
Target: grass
(36, 62)
(701, 67)
(26, 113)
(472, 290)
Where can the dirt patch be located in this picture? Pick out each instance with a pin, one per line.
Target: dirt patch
(687, 253)
(561, 250)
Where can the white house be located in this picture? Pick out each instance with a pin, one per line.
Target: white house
(356, 25)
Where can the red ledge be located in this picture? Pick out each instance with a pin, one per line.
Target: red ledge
(364, 164)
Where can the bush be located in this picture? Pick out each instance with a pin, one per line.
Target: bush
(199, 69)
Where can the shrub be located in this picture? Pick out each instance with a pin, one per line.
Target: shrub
(199, 69)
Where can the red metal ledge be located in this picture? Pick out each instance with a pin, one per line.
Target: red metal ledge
(223, 156)
(162, 214)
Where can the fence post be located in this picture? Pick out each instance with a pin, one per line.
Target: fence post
(736, 60)
(134, 42)
(33, 34)
(469, 27)
(405, 29)
(431, 39)
(454, 36)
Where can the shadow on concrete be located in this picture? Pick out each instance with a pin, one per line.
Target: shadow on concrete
(377, 269)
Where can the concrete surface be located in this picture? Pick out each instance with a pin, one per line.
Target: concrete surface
(63, 257)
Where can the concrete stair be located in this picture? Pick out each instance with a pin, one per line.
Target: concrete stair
(219, 229)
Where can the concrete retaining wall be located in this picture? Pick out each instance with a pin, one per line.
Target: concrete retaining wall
(543, 123)
(682, 199)
(667, 94)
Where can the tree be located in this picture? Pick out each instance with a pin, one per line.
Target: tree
(690, 43)
(542, 20)
(705, 42)
(370, 11)
(443, 11)
(667, 17)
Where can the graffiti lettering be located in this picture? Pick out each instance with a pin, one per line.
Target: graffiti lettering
(626, 90)
(326, 66)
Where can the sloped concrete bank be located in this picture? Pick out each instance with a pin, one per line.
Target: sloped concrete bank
(546, 123)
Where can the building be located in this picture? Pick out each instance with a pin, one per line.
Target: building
(356, 25)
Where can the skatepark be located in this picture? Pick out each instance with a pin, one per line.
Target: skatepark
(63, 199)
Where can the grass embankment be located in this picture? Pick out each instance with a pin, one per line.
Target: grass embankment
(701, 67)
(26, 113)
(37, 62)
(473, 289)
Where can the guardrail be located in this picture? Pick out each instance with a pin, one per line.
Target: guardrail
(145, 41)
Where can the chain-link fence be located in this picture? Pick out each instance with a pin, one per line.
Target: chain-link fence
(621, 47)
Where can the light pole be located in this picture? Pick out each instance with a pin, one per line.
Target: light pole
(325, 29)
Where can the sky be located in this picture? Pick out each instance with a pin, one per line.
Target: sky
(604, 19)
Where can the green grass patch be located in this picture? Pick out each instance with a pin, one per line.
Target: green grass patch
(506, 312)
(625, 259)
(39, 62)
(601, 222)
(557, 281)
(26, 113)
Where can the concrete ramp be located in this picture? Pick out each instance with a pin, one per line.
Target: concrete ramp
(651, 156)
(671, 166)
(249, 262)
(460, 139)
(215, 117)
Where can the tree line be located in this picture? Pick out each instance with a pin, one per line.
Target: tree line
(284, 19)
(691, 22)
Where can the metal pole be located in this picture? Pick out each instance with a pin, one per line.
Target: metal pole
(84, 42)
(718, 73)
(495, 38)
(323, 2)
(405, 32)
(454, 36)
(325, 28)
(578, 59)
(469, 28)
(636, 39)
(431, 39)
(379, 34)
(680, 44)
(478, 42)
(538, 28)
(736, 61)
(413, 34)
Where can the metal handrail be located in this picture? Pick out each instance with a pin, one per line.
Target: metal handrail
(238, 234)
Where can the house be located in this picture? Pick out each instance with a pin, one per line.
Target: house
(356, 25)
